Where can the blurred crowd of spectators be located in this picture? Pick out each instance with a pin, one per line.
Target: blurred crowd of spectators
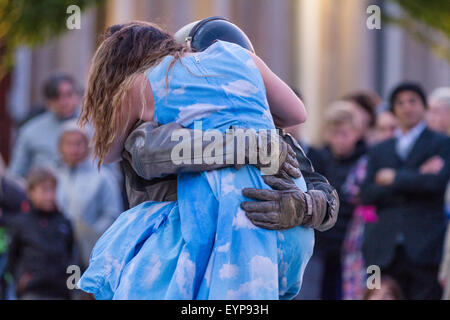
(390, 163)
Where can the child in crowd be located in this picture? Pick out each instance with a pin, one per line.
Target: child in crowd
(41, 243)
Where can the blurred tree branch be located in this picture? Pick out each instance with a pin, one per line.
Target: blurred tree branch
(30, 22)
(428, 21)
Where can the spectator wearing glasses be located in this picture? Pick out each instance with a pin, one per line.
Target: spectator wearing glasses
(37, 141)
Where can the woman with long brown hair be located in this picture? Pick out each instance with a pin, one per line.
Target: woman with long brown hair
(201, 246)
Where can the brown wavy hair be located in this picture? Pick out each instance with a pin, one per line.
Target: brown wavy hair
(127, 51)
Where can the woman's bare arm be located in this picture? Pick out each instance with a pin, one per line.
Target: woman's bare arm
(286, 108)
(133, 110)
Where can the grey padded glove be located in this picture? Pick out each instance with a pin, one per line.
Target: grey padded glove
(286, 206)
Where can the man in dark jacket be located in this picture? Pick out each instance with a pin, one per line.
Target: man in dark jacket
(406, 241)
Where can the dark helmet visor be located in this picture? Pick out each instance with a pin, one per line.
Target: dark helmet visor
(205, 32)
